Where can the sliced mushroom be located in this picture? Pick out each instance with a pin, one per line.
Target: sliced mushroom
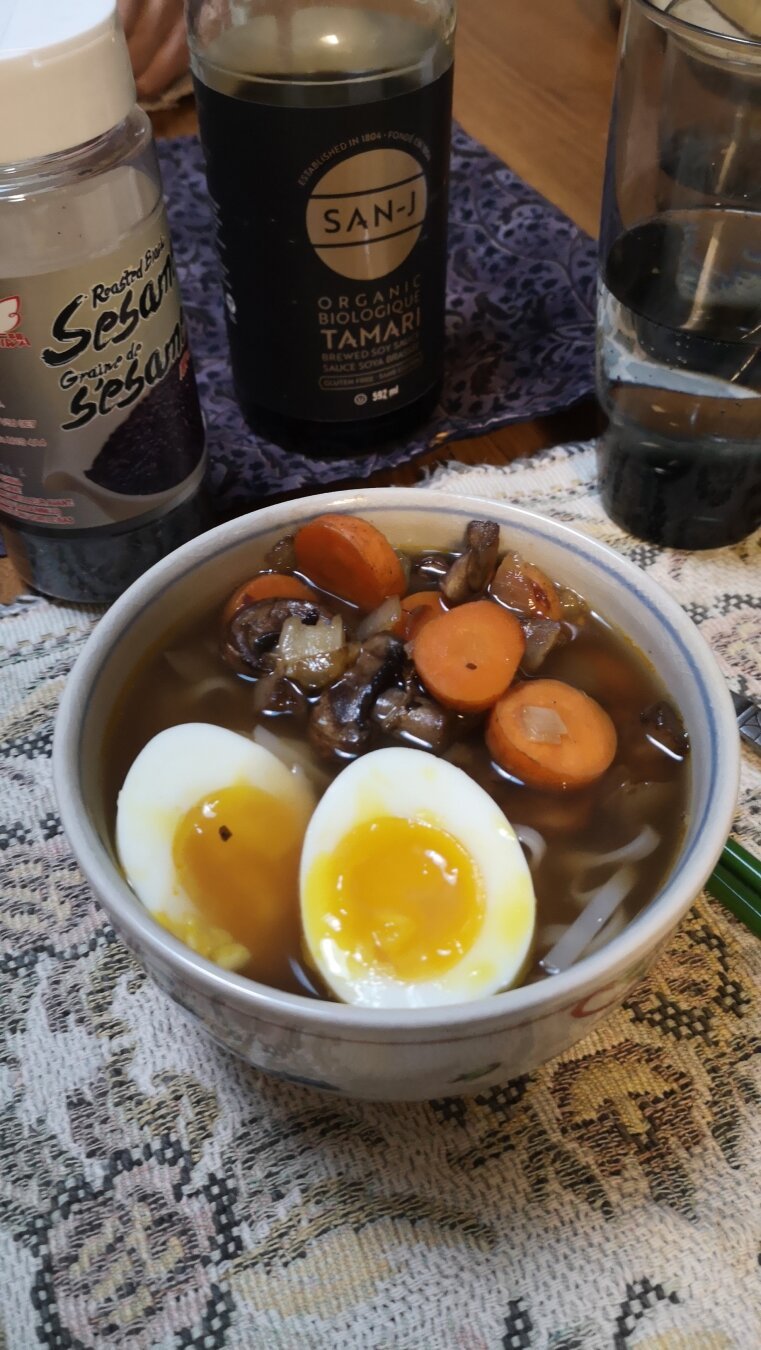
(255, 630)
(471, 573)
(409, 713)
(340, 726)
(275, 696)
(542, 636)
(430, 566)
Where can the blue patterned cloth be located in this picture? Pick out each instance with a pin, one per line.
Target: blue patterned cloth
(520, 318)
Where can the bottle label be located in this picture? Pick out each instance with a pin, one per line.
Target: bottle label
(99, 414)
(332, 234)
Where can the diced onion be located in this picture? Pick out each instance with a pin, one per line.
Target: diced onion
(572, 605)
(312, 654)
(510, 586)
(543, 725)
(382, 619)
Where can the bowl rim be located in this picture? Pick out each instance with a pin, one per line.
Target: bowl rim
(600, 969)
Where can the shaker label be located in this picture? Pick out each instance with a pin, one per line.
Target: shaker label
(332, 231)
(99, 416)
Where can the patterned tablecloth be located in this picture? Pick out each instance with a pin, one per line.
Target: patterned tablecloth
(156, 1193)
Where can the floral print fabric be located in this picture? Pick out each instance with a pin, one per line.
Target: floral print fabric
(520, 323)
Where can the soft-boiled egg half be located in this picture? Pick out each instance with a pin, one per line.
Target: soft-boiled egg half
(414, 888)
(209, 829)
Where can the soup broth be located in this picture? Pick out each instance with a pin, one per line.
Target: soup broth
(574, 840)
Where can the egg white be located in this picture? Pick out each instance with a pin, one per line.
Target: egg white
(413, 785)
(172, 773)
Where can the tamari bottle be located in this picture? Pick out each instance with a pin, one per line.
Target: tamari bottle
(326, 130)
(101, 435)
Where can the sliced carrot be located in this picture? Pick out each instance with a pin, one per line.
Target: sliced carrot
(418, 610)
(550, 735)
(467, 656)
(266, 586)
(350, 558)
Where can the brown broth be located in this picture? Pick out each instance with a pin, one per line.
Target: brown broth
(600, 661)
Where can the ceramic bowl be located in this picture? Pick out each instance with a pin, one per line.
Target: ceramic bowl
(396, 1055)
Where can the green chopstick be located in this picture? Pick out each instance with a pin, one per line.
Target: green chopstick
(736, 884)
(743, 864)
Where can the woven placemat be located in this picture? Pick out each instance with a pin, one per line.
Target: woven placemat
(156, 1193)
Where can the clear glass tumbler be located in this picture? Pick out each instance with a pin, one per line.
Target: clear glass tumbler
(679, 316)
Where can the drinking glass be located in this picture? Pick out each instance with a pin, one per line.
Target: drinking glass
(679, 312)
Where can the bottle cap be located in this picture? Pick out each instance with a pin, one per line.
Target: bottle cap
(65, 75)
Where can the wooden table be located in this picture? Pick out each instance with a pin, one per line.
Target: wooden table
(533, 83)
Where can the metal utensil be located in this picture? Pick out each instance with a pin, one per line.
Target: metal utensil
(748, 721)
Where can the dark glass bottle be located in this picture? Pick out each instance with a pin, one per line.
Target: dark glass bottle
(326, 130)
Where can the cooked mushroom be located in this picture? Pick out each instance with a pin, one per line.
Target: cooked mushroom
(275, 696)
(471, 573)
(542, 636)
(340, 725)
(255, 630)
(430, 566)
(409, 713)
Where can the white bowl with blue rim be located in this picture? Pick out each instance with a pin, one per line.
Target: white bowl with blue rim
(368, 1053)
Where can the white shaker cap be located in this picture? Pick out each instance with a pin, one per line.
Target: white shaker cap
(65, 75)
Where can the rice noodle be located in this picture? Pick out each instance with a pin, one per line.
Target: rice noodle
(294, 754)
(645, 843)
(578, 937)
(615, 925)
(212, 685)
(548, 936)
(534, 844)
(191, 666)
(633, 801)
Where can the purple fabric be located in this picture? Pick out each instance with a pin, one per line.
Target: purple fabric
(520, 318)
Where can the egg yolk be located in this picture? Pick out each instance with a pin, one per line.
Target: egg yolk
(236, 856)
(398, 895)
